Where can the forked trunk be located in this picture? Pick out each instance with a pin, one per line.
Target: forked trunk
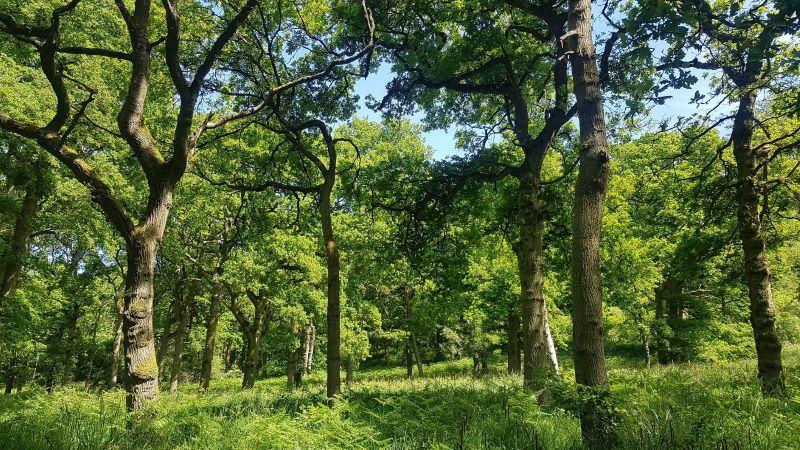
(590, 191)
(756, 269)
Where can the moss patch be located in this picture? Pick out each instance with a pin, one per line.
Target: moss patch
(147, 369)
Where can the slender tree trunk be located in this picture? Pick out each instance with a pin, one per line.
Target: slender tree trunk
(73, 314)
(590, 190)
(756, 268)
(211, 335)
(166, 333)
(228, 356)
(115, 350)
(311, 342)
(537, 364)
(412, 348)
(141, 367)
(291, 367)
(11, 261)
(409, 359)
(415, 349)
(350, 371)
(333, 381)
(10, 374)
(512, 330)
(21, 376)
(180, 337)
(90, 354)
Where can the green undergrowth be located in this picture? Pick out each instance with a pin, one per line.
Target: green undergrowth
(681, 406)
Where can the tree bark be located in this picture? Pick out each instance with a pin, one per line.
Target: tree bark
(291, 367)
(350, 371)
(141, 368)
(228, 356)
(211, 335)
(10, 374)
(409, 359)
(73, 314)
(252, 358)
(115, 350)
(167, 333)
(537, 362)
(756, 268)
(180, 337)
(333, 380)
(11, 261)
(311, 342)
(415, 349)
(513, 349)
(590, 190)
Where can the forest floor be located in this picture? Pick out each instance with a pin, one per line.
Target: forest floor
(709, 405)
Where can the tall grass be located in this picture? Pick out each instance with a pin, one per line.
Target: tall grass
(682, 406)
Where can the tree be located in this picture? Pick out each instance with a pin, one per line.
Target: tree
(590, 190)
(142, 233)
(741, 42)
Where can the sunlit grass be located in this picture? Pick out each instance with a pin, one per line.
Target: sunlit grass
(681, 406)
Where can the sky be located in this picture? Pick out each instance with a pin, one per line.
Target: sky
(442, 141)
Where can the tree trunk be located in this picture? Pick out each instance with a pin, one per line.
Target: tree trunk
(415, 349)
(333, 381)
(211, 335)
(10, 373)
(22, 376)
(180, 338)
(513, 350)
(291, 367)
(537, 362)
(228, 356)
(350, 371)
(166, 333)
(116, 347)
(409, 359)
(590, 190)
(294, 373)
(668, 317)
(756, 269)
(251, 358)
(311, 342)
(141, 368)
(73, 314)
(11, 261)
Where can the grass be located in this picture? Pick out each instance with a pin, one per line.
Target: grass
(682, 406)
